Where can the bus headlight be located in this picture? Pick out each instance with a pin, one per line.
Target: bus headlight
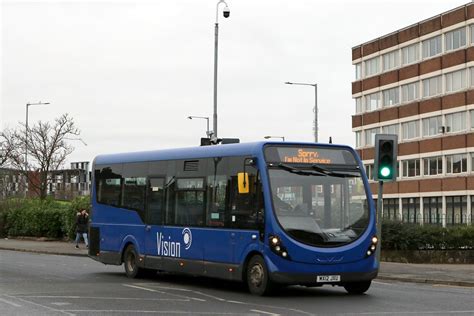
(277, 247)
(372, 247)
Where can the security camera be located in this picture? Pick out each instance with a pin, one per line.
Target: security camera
(226, 12)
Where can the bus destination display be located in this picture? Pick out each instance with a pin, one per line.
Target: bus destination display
(308, 155)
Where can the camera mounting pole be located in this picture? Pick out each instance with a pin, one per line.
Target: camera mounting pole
(226, 13)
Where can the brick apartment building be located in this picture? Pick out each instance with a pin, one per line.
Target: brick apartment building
(418, 83)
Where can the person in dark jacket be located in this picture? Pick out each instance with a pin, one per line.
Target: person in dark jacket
(82, 221)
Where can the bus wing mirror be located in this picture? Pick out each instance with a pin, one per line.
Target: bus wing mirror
(243, 181)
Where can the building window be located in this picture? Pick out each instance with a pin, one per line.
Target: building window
(456, 122)
(456, 163)
(431, 125)
(455, 39)
(372, 102)
(372, 67)
(370, 136)
(432, 47)
(456, 210)
(390, 209)
(410, 92)
(390, 129)
(472, 165)
(472, 33)
(358, 71)
(471, 114)
(391, 96)
(410, 54)
(358, 102)
(433, 210)
(432, 86)
(390, 60)
(369, 171)
(411, 168)
(472, 208)
(432, 166)
(456, 80)
(410, 207)
(410, 130)
(358, 139)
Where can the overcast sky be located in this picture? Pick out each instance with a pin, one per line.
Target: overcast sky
(130, 72)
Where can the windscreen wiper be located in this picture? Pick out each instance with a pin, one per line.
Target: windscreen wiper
(299, 171)
(338, 174)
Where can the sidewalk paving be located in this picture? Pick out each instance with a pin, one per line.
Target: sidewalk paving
(444, 274)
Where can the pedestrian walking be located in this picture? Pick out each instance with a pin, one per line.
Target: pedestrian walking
(82, 221)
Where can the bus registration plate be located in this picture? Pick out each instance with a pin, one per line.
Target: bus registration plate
(328, 278)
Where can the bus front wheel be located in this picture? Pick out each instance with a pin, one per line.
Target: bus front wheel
(357, 287)
(258, 280)
(130, 262)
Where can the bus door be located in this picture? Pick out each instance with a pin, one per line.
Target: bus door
(246, 214)
(154, 215)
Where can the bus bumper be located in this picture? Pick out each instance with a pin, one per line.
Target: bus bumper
(311, 278)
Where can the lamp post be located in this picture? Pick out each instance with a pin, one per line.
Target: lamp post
(268, 137)
(226, 13)
(315, 85)
(208, 132)
(26, 141)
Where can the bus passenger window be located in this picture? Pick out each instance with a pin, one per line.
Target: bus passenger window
(216, 195)
(186, 202)
(134, 193)
(155, 201)
(108, 182)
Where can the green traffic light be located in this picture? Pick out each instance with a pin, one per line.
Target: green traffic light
(385, 172)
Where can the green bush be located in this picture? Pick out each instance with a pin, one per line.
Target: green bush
(407, 236)
(36, 218)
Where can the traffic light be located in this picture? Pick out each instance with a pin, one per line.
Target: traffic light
(385, 166)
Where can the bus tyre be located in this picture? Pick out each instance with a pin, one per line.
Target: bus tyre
(130, 262)
(357, 288)
(258, 281)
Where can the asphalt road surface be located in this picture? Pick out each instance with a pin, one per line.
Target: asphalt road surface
(37, 284)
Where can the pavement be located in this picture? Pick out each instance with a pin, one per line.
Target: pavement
(442, 274)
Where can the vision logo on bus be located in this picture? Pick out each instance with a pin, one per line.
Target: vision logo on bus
(169, 248)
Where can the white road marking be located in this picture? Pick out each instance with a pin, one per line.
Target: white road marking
(140, 288)
(153, 290)
(136, 311)
(60, 303)
(263, 312)
(43, 306)
(9, 303)
(413, 313)
(106, 298)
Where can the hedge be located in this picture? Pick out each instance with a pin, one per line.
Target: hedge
(36, 218)
(407, 236)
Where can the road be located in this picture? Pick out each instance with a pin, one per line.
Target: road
(38, 284)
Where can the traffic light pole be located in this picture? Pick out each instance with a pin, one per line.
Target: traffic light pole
(378, 218)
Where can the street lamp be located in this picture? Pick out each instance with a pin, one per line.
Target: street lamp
(315, 85)
(208, 132)
(26, 141)
(226, 13)
(268, 137)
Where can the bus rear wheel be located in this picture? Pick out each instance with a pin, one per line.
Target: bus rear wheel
(357, 288)
(130, 262)
(258, 280)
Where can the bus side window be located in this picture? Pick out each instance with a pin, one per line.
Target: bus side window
(108, 183)
(155, 201)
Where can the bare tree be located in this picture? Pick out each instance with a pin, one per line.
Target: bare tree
(46, 147)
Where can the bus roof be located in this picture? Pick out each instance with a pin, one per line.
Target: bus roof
(241, 149)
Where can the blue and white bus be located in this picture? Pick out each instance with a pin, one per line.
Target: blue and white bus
(265, 213)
